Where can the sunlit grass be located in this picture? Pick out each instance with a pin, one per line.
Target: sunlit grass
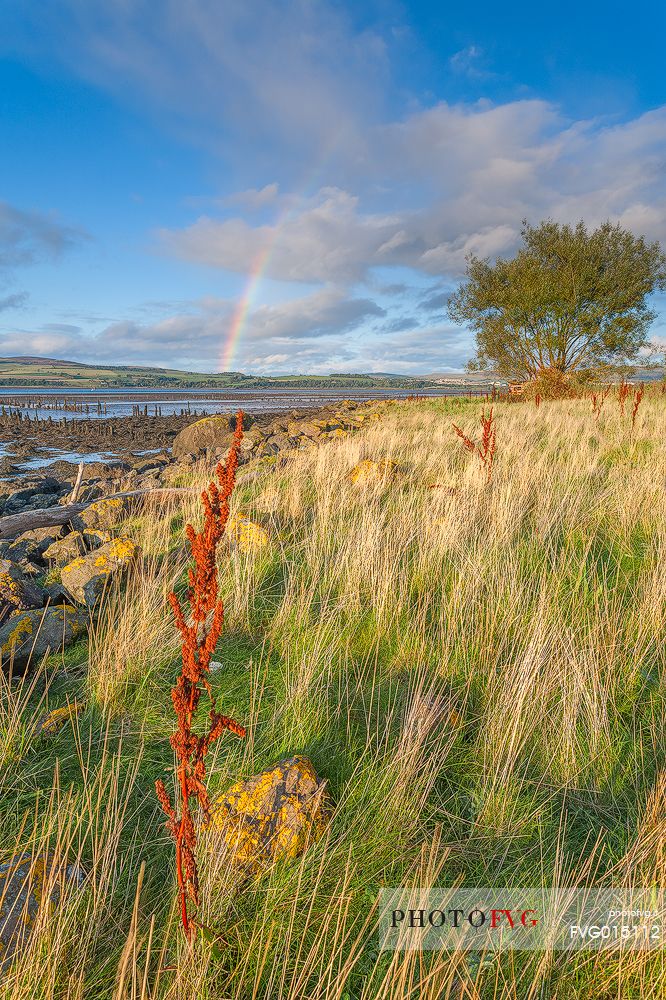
(533, 608)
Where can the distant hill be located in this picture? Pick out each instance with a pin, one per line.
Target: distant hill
(34, 372)
(28, 359)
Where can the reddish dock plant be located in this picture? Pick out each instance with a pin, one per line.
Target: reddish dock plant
(638, 396)
(200, 630)
(486, 450)
(598, 401)
(622, 395)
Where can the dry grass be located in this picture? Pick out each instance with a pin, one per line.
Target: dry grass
(534, 606)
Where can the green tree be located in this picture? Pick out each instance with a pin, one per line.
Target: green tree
(569, 300)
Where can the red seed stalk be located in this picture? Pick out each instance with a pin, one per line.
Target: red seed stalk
(638, 396)
(467, 442)
(622, 395)
(200, 631)
(598, 401)
(486, 450)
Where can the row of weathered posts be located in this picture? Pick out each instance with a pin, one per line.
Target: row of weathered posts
(12, 419)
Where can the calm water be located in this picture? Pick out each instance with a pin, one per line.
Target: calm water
(120, 402)
(49, 455)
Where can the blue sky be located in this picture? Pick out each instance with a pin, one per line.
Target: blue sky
(293, 185)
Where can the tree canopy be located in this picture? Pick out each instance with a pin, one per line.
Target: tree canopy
(569, 300)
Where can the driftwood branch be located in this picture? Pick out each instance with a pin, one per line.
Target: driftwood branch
(74, 495)
(52, 517)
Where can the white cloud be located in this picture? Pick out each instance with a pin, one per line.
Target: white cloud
(481, 169)
(293, 91)
(197, 338)
(323, 239)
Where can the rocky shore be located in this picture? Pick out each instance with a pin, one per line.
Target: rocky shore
(53, 578)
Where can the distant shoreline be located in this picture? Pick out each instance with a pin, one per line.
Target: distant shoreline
(55, 374)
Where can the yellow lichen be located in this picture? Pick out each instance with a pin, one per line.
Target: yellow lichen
(57, 717)
(245, 534)
(121, 548)
(18, 634)
(274, 814)
(369, 471)
(74, 564)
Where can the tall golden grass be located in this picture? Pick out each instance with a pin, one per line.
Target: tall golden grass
(531, 607)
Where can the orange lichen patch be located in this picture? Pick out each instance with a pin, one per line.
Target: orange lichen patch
(369, 471)
(108, 503)
(30, 885)
(245, 535)
(54, 720)
(327, 425)
(274, 814)
(63, 550)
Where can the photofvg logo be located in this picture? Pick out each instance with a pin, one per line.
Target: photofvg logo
(560, 919)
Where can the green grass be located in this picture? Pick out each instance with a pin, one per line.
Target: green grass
(43, 373)
(535, 605)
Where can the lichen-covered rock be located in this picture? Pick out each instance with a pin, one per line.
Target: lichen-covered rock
(245, 535)
(208, 434)
(53, 721)
(103, 514)
(65, 549)
(369, 472)
(42, 537)
(22, 550)
(252, 438)
(274, 814)
(327, 424)
(94, 537)
(28, 883)
(17, 591)
(29, 635)
(335, 434)
(303, 428)
(281, 442)
(86, 577)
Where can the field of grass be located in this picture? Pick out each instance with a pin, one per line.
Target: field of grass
(45, 373)
(535, 605)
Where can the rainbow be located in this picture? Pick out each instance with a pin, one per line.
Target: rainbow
(261, 262)
(244, 303)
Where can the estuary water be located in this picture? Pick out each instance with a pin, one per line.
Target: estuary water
(101, 403)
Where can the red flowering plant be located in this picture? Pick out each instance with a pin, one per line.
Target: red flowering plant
(200, 629)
